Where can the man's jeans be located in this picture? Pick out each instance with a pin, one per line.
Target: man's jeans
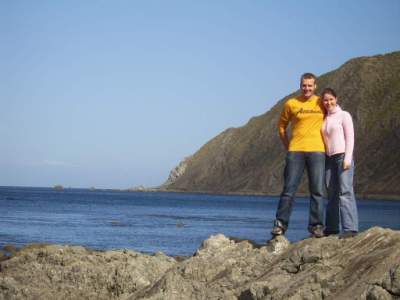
(314, 162)
(341, 200)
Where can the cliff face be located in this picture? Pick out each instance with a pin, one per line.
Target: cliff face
(364, 267)
(250, 159)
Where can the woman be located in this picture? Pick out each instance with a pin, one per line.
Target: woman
(338, 133)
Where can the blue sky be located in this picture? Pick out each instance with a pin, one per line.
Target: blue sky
(113, 94)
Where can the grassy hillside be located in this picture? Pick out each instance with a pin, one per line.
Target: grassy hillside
(250, 159)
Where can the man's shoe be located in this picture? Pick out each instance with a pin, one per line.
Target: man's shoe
(277, 230)
(348, 234)
(317, 231)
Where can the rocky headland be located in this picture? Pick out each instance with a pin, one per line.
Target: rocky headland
(250, 159)
(364, 267)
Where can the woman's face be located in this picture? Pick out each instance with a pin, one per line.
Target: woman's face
(329, 102)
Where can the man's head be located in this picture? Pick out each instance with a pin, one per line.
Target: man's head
(308, 84)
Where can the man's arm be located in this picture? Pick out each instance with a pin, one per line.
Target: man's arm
(284, 139)
(283, 123)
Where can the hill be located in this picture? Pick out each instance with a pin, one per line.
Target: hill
(250, 159)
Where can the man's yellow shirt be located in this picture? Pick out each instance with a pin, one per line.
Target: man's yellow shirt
(306, 117)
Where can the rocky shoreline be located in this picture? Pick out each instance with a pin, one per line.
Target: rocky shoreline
(364, 267)
(252, 193)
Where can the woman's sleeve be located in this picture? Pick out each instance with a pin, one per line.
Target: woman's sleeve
(348, 130)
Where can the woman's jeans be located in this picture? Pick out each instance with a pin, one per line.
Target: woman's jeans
(314, 162)
(341, 200)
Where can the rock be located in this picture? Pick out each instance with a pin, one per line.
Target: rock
(139, 188)
(10, 249)
(177, 172)
(278, 244)
(256, 291)
(64, 272)
(392, 281)
(3, 255)
(364, 267)
(378, 293)
(214, 244)
(8, 285)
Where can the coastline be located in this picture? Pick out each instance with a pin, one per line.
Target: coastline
(302, 195)
(377, 197)
(222, 268)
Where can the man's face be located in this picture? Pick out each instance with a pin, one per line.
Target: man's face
(308, 87)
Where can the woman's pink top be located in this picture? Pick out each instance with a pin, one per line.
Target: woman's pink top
(338, 133)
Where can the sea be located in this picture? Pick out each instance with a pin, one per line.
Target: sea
(173, 223)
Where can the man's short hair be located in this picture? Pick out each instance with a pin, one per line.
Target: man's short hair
(308, 76)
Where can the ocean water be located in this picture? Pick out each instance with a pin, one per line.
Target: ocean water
(174, 223)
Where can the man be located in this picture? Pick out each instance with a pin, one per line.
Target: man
(305, 150)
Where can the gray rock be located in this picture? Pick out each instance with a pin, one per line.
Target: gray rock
(278, 244)
(392, 280)
(378, 293)
(364, 267)
(10, 249)
(63, 272)
(3, 255)
(177, 172)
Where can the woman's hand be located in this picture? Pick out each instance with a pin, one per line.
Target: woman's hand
(346, 165)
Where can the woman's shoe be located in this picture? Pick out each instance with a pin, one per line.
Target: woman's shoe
(317, 231)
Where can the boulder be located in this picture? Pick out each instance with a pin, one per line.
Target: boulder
(366, 266)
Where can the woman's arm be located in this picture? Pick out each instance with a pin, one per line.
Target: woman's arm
(348, 130)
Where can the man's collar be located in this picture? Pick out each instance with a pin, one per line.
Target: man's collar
(304, 99)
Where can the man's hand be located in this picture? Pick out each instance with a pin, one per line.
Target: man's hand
(346, 165)
(285, 141)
